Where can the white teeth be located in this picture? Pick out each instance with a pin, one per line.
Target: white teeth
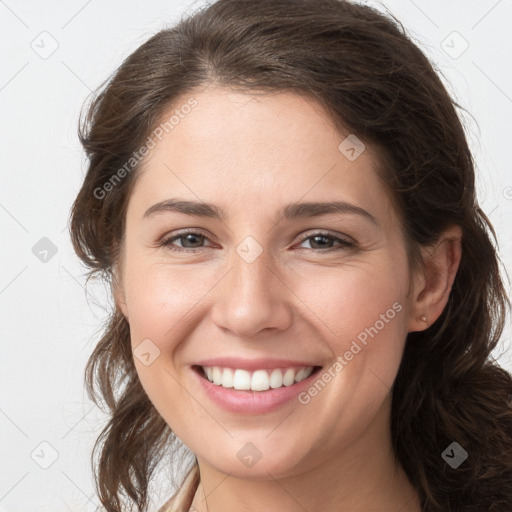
(217, 375)
(303, 373)
(276, 378)
(242, 379)
(227, 378)
(259, 380)
(289, 377)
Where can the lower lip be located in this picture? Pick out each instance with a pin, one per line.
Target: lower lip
(253, 402)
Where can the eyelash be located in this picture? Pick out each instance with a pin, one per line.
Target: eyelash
(167, 242)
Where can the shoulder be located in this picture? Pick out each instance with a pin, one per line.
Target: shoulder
(182, 499)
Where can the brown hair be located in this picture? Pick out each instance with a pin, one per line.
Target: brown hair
(373, 81)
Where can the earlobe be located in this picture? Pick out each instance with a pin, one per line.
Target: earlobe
(432, 290)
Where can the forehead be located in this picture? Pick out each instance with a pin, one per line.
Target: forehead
(256, 150)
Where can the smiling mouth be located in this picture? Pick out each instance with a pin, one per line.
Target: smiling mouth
(257, 380)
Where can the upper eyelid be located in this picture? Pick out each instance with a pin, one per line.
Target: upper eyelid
(321, 232)
(185, 232)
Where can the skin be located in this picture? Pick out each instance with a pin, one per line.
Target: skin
(251, 156)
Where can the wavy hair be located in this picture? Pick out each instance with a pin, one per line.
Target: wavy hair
(375, 82)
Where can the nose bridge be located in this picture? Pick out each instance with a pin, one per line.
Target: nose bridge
(252, 296)
(252, 274)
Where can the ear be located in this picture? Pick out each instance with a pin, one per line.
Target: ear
(118, 292)
(433, 283)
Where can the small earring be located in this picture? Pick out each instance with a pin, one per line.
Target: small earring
(424, 319)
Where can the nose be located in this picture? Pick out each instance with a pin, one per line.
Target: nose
(253, 297)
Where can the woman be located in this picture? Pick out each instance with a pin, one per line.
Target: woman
(306, 291)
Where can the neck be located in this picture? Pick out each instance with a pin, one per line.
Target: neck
(364, 476)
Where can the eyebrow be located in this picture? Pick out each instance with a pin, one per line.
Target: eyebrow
(291, 211)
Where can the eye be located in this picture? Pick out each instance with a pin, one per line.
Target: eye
(324, 239)
(190, 240)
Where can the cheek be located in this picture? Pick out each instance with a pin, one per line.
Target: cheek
(163, 305)
(351, 297)
(160, 297)
(360, 312)
(362, 317)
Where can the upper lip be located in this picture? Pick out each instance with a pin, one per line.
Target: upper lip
(253, 364)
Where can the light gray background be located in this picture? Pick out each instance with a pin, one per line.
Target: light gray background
(49, 325)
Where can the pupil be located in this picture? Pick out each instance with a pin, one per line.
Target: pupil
(190, 236)
(315, 239)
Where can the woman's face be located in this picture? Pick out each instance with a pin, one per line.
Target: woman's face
(265, 283)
